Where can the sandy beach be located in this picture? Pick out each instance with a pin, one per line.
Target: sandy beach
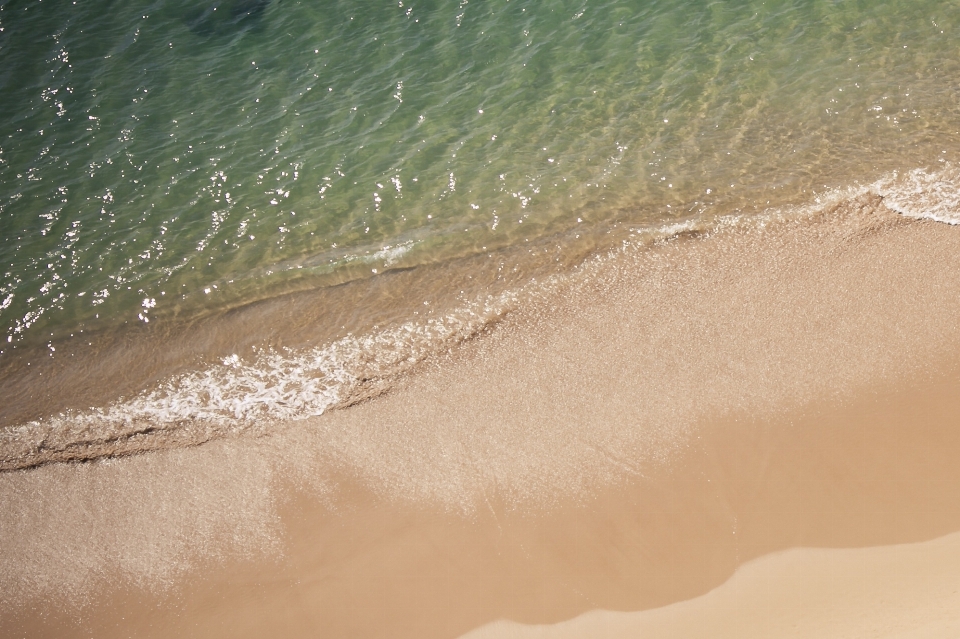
(479, 320)
(649, 446)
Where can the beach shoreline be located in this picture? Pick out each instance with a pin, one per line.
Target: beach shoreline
(487, 320)
(873, 473)
(625, 441)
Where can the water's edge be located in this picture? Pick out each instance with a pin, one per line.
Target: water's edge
(263, 388)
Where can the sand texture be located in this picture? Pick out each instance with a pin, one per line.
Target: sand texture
(658, 431)
(910, 591)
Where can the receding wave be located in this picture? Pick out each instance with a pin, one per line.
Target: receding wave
(932, 195)
(252, 394)
(591, 377)
(241, 394)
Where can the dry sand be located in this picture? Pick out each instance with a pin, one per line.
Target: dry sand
(626, 445)
(909, 592)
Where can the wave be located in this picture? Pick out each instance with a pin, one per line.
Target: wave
(931, 195)
(246, 394)
(591, 378)
(241, 394)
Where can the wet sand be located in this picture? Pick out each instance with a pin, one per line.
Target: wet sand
(626, 444)
(877, 471)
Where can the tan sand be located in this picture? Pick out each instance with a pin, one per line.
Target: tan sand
(626, 444)
(880, 470)
(903, 592)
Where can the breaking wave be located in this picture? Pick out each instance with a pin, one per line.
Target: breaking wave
(253, 394)
(931, 195)
(239, 394)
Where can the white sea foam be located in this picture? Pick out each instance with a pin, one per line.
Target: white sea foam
(240, 392)
(390, 254)
(931, 195)
(609, 371)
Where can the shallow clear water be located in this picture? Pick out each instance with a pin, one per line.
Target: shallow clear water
(175, 157)
(165, 162)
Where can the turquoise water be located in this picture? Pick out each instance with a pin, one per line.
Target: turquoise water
(172, 158)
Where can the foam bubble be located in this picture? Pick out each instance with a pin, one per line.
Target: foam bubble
(238, 394)
(242, 392)
(931, 195)
(599, 374)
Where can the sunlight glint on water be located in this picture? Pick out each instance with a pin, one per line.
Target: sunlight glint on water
(170, 158)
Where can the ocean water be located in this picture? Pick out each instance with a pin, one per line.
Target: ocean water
(223, 213)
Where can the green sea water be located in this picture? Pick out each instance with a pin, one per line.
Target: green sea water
(171, 170)
(170, 158)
